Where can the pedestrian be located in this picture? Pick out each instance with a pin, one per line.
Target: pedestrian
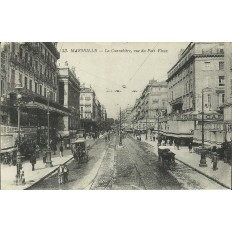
(106, 139)
(214, 161)
(61, 150)
(190, 146)
(11, 158)
(33, 161)
(60, 174)
(177, 143)
(66, 173)
(54, 148)
(44, 157)
(37, 150)
(22, 176)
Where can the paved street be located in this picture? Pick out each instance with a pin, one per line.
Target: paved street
(132, 166)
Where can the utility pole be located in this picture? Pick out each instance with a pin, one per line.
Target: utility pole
(202, 122)
(0, 116)
(48, 153)
(203, 153)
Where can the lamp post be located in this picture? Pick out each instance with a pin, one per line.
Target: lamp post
(48, 151)
(203, 154)
(19, 104)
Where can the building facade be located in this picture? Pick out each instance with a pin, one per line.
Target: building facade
(150, 106)
(228, 92)
(69, 97)
(90, 110)
(30, 71)
(196, 84)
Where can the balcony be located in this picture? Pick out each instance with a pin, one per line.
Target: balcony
(51, 64)
(53, 49)
(215, 51)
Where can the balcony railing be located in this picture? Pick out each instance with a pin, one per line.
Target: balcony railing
(213, 51)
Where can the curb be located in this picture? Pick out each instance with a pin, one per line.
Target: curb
(44, 177)
(197, 170)
(204, 174)
(50, 173)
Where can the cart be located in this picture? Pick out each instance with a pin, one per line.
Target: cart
(166, 157)
(80, 151)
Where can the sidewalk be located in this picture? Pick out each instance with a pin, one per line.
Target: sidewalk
(8, 172)
(222, 175)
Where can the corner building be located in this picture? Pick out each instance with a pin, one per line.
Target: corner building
(30, 69)
(199, 72)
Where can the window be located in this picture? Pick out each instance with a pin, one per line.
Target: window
(81, 109)
(221, 65)
(209, 101)
(2, 87)
(12, 81)
(45, 92)
(21, 53)
(20, 79)
(190, 85)
(26, 57)
(30, 85)
(41, 68)
(36, 88)
(221, 99)
(187, 85)
(155, 101)
(30, 60)
(221, 81)
(40, 89)
(36, 65)
(207, 65)
(25, 83)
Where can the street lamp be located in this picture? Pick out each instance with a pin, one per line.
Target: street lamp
(203, 154)
(48, 152)
(19, 104)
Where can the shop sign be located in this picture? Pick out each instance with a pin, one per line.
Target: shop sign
(193, 117)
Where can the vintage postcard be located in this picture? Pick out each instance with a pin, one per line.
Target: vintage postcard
(115, 116)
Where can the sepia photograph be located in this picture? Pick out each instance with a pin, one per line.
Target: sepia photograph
(115, 116)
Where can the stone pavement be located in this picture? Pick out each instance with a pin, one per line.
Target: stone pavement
(31, 177)
(222, 175)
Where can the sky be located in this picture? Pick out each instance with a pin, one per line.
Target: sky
(124, 67)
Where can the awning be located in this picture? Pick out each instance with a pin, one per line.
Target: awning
(37, 105)
(9, 150)
(169, 134)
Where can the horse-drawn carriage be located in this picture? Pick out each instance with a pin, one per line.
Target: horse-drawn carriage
(166, 157)
(79, 150)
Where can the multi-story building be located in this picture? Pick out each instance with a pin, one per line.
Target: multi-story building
(228, 92)
(126, 117)
(30, 70)
(90, 110)
(150, 105)
(69, 97)
(198, 73)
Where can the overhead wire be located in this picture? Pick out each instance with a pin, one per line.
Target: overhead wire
(146, 58)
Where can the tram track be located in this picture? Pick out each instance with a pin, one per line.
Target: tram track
(134, 151)
(98, 181)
